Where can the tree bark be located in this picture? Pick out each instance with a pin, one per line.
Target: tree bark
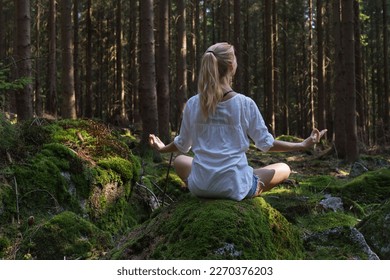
(51, 98)
(68, 108)
(163, 98)
(340, 99)
(352, 151)
(321, 67)
(24, 106)
(386, 97)
(89, 100)
(269, 59)
(147, 84)
(181, 64)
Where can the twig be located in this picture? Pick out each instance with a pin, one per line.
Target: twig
(154, 184)
(17, 199)
(150, 191)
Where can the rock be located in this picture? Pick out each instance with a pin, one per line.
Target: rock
(357, 169)
(332, 203)
(66, 236)
(196, 228)
(376, 229)
(338, 243)
(370, 187)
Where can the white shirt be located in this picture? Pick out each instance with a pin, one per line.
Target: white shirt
(220, 167)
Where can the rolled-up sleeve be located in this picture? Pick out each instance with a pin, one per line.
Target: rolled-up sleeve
(257, 130)
(183, 141)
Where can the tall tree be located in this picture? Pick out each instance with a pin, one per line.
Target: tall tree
(120, 110)
(311, 65)
(163, 99)
(361, 98)
(37, 84)
(24, 105)
(237, 44)
(147, 83)
(321, 67)
(68, 108)
(76, 62)
(352, 151)
(51, 97)
(340, 99)
(181, 64)
(89, 101)
(269, 60)
(2, 31)
(386, 89)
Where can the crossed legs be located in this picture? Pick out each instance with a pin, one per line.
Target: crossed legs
(271, 175)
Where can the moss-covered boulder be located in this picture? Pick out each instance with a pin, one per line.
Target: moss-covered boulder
(196, 228)
(370, 187)
(376, 229)
(338, 243)
(66, 235)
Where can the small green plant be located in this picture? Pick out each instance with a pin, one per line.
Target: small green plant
(16, 84)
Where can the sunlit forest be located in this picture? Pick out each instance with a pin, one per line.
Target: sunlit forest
(84, 83)
(135, 63)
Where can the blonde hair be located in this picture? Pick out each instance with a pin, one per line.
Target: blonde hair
(214, 71)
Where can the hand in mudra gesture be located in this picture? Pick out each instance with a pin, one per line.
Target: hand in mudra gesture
(314, 138)
(155, 142)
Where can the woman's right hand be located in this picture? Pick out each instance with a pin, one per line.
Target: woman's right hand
(155, 142)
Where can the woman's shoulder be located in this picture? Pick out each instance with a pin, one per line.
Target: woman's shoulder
(246, 99)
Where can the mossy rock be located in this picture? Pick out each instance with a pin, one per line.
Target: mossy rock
(370, 187)
(376, 229)
(68, 236)
(196, 228)
(339, 243)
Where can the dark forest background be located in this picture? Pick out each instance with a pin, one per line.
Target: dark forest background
(306, 63)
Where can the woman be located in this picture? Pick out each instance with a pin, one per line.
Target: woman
(217, 124)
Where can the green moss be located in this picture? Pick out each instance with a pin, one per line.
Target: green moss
(66, 235)
(214, 229)
(128, 170)
(323, 221)
(289, 138)
(174, 186)
(371, 187)
(340, 243)
(4, 244)
(376, 229)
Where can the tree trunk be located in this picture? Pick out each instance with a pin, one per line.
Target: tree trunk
(24, 106)
(275, 39)
(89, 100)
(386, 97)
(352, 151)
(237, 45)
(311, 65)
(285, 111)
(133, 101)
(76, 64)
(51, 98)
(269, 59)
(119, 102)
(321, 67)
(68, 108)
(340, 98)
(147, 84)
(361, 99)
(38, 74)
(2, 31)
(181, 65)
(163, 72)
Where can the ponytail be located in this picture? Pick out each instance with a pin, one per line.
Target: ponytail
(213, 70)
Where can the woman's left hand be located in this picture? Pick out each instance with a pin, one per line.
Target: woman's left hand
(314, 138)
